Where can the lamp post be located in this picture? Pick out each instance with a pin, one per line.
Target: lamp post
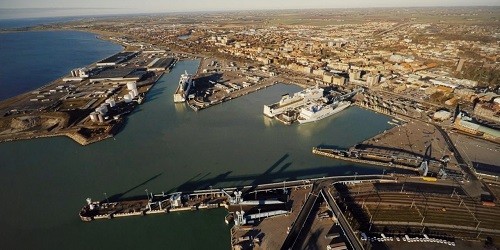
(149, 200)
(106, 195)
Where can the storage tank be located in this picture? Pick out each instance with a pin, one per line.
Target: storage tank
(127, 98)
(136, 92)
(101, 110)
(111, 102)
(93, 117)
(104, 108)
(101, 118)
(131, 86)
(131, 94)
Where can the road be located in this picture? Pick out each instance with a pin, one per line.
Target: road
(344, 224)
(461, 162)
(305, 212)
(321, 187)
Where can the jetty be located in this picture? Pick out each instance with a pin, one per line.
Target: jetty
(279, 215)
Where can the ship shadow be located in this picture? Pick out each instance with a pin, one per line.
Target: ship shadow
(120, 196)
(277, 172)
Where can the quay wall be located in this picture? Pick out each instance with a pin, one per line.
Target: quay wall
(323, 152)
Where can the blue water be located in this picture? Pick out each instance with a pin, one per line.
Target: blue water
(32, 59)
(29, 22)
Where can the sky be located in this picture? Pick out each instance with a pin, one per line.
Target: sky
(32, 8)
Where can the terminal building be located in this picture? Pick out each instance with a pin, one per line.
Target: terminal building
(160, 64)
(120, 74)
(117, 58)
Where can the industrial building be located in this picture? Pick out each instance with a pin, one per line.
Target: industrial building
(117, 58)
(120, 74)
(160, 64)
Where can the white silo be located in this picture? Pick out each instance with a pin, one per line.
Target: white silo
(101, 118)
(131, 93)
(127, 98)
(111, 102)
(100, 110)
(131, 86)
(136, 92)
(104, 108)
(93, 117)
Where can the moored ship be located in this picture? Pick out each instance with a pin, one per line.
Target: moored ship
(288, 102)
(315, 112)
(185, 84)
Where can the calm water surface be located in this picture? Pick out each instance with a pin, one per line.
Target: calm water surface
(164, 147)
(32, 59)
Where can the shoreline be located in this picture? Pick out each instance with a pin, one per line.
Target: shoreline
(97, 36)
(73, 129)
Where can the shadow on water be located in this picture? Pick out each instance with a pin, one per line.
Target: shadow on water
(269, 176)
(204, 181)
(117, 197)
(154, 93)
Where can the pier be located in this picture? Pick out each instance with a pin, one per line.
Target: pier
(291, 108)
(199, 199)
(279, 215)
(383, 161)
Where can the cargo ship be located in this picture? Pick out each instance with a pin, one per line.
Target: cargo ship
(315, 112)
(185, 84)
(288, 102)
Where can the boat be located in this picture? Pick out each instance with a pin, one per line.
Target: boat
(288, 102)
(315, 112)
(185, 84)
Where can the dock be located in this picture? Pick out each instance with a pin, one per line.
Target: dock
(290, 108)
(89, 104)
(197, 199)
(382, 161)
(279, 215)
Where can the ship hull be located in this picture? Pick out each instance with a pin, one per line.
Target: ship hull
(339, 108)
(288, 103)
(182, 91)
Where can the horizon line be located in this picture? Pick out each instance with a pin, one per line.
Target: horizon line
(369, 7)
(156, 12)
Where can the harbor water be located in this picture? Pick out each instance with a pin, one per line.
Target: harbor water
(165, 147)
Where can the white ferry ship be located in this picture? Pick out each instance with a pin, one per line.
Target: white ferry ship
(288, 102)
(185, 84)
(315, 112)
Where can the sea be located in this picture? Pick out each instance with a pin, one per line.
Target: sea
(164, 147)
